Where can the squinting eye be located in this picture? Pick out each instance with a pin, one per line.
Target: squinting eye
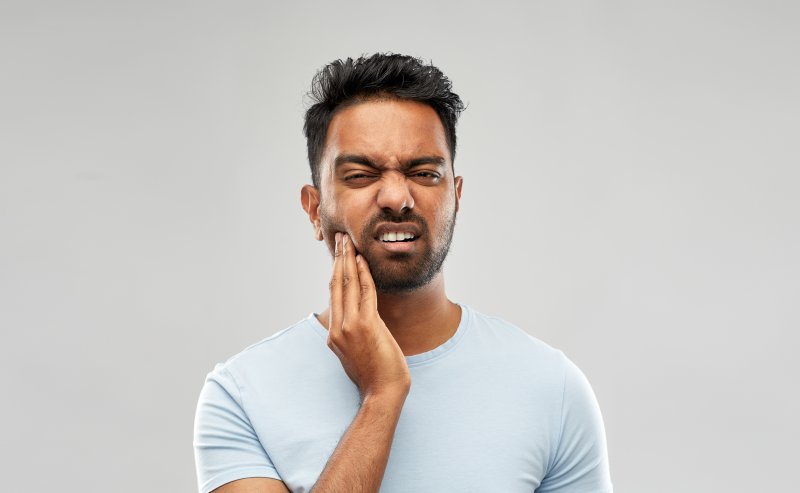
(427, 175)
(356, 176)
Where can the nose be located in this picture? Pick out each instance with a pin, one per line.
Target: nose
(394, 193)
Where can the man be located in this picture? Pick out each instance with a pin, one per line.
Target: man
(393, 386)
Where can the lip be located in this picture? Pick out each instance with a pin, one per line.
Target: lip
(389, 227)
(398, 246)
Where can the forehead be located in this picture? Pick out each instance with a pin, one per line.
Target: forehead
(386, 129)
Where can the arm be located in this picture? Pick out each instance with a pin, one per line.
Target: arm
(226, 446)
(359, 461)
(253, 485)
(580, 461)
(375, 363)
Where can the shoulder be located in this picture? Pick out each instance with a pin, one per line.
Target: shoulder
(289, 347)
(536, 357)
(507, 351)
(494, 331)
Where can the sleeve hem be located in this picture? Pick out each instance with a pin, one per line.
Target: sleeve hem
(227, 477)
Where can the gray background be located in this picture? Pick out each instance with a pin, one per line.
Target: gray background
(630, 196)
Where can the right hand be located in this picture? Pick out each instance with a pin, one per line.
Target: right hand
(369, 353)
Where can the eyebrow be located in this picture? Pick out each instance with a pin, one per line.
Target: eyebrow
(353, 158)
(439, 161)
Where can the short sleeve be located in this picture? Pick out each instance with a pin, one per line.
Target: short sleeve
(226, 447)
(580, 462)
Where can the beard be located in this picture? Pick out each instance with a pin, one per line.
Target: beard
(401, 272)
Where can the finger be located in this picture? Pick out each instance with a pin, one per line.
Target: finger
(369, 296)
(333, 347)
(335, 318)
(351, 295)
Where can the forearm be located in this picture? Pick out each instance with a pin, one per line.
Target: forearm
(359, 461)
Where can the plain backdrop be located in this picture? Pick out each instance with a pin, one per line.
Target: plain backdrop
(630, 197)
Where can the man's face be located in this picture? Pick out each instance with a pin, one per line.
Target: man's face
(385, 169)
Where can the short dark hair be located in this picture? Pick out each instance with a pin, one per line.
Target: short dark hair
(342, 83)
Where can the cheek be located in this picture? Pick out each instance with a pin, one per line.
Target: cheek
(346, 212)
(330, 220)
(333, 219)
(444, 208)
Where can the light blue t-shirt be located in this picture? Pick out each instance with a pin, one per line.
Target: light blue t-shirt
(491, 409)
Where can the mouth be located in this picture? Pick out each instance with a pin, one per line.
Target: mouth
(397, 238)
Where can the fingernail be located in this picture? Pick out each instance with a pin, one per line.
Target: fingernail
(344, 241)
(336, 242)
(358, 258)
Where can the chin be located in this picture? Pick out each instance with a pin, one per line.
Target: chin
(387, 283)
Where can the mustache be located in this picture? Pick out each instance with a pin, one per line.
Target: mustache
(388, 217)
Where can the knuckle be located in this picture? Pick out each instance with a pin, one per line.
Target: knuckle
(332, 341)
(345, 280)
(333, 282)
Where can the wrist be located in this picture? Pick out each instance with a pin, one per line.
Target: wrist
(386, 398)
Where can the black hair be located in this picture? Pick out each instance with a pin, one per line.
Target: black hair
(342, 83)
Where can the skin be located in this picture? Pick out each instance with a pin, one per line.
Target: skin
(370, 329)
(390, 133)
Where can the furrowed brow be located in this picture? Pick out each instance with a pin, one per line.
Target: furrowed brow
(354, 159)
(439, 161)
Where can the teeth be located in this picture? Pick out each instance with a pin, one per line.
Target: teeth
(396, 236)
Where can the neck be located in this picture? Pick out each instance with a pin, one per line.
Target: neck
(420, 320)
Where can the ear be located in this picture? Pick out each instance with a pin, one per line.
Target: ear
(309, 198)
(459, 180)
